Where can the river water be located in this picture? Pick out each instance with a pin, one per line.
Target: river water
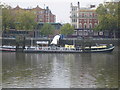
(85, 70)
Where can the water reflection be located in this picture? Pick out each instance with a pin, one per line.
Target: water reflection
(60, 70)
(106, 70)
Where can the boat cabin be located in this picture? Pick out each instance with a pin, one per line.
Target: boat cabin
(42, 43)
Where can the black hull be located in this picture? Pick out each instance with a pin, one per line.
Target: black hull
(7, 51)
(107, 50)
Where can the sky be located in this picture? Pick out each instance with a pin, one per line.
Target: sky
(61, 8)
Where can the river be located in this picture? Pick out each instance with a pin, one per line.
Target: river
(43, 70)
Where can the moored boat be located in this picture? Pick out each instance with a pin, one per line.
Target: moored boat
(55, 49)
(8, 48)
(51, 49)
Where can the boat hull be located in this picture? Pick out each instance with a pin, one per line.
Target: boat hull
(110, 49)
(69, 51)
(7, 50)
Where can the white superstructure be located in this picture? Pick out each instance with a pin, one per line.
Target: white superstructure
(55, 40)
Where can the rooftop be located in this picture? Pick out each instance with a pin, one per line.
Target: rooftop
(88, 9)
(37, 7)
(112, 0)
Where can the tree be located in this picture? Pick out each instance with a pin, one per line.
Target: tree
(47, 29)
(108, 17)
(7, 17)
(25, 20)
(20, 20)
(0, 17)
(118, 20)
(67, 29)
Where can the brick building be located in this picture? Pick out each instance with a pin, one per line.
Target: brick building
(42, 15)
(83, 18)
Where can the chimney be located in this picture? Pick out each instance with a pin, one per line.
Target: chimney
(78, 5)
(71, 4)
(92, 6)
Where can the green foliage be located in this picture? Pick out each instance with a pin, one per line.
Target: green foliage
(67, 29)
(7, 17)
(47, 29)
(107, 16)
(25, 21)
(118, 16)
(20, 20)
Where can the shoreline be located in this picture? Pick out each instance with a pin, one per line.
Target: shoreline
(28, 41)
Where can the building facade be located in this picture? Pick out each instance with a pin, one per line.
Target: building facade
(83, 18)
(42, 15)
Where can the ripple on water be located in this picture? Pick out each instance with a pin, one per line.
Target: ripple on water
(78, 71)
(40, 77)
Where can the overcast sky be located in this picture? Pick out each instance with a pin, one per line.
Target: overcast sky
(61, 8)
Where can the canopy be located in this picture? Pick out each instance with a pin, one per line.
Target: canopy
(42, 42)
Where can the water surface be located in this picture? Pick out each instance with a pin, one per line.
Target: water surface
(85, 70)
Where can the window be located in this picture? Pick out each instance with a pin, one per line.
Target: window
(74, 9)
(90, 14)
(80, 21)
(80, 25)
(96, 21)
(83, 15)
(95, 24)
(75, 26)
(90, 25)
(74, 20)
(90, 20)
(74, 15)
(85, 26)
(79, 15)
(95, 15)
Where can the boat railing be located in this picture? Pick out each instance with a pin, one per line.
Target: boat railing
(55, 48)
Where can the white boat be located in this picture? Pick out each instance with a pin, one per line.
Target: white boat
(8, 48)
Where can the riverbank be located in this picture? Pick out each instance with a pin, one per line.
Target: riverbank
(76, 41)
